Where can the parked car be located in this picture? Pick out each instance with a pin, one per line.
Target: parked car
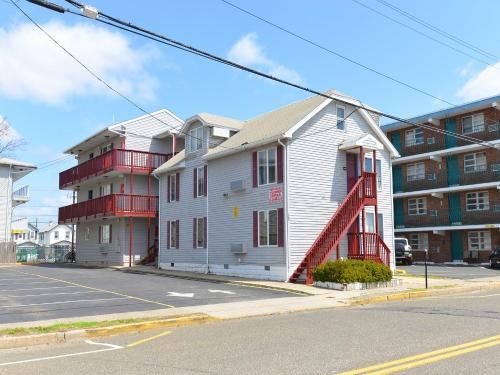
(495, 257)
(403, 251)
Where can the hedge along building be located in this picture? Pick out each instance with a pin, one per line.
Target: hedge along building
(116, 206)
(275, 196)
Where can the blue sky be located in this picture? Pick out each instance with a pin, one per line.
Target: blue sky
(53, 103)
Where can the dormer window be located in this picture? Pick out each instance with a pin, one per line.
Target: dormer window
(195, 139)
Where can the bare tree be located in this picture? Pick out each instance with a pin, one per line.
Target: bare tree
(9, 140)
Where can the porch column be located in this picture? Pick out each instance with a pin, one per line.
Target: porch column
(362, 169)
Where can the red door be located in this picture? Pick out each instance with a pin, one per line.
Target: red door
(352, 177)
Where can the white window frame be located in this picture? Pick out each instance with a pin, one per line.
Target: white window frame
(479, 240)
(379, 170)
(417, 206)
(477, 123)
(477, 201)
(265, 214)
(56, 235)
(173, 234)
(340, 119)
(105, 189)
(414, 139)
(200, 233)
(475, 162)
(87, 233)
(196, 139)
(417, 173)
(200, 181)
(269, 178)
(173, 188)
(418, 241)
(106, 148)
(105, 233)
(67, 234)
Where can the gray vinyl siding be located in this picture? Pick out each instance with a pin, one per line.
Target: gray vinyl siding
(317, 181)
(5, 203)
(225, 229)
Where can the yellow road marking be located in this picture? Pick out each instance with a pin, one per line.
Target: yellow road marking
(97, 289)
(429, 357)
(139, 342)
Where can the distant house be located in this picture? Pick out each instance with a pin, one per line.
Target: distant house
(57, 235)
(24, 232)
(10, 172)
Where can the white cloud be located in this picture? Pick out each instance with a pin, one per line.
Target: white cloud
(466, 70)
(33, 67)
(247, 51)
(483, 84)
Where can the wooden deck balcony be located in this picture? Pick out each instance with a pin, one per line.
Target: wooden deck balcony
(123, 161)
(113, 205)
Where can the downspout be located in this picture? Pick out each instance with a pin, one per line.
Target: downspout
(159, 219)
(206, 239)
(285, 208)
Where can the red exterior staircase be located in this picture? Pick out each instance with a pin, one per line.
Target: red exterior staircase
(363, 193)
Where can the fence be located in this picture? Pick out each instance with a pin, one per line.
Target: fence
(42, 254)
(7, 252)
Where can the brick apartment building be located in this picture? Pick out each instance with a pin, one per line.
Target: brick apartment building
(446, 189)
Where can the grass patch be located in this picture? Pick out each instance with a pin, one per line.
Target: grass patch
(71, 326)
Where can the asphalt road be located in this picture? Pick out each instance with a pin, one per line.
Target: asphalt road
(323, 342)
(455, 272)
(43, 292)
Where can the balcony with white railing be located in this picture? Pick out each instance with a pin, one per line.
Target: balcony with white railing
(21, 195)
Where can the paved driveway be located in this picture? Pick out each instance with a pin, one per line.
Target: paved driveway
(455, 272)
(41, 292)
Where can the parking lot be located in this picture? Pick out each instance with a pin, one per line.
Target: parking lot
(29, 293)
(454, 272)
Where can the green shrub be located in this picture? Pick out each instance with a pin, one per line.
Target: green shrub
(352, 271)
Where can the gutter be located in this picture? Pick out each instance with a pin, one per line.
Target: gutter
(285, 208)
(159, 219)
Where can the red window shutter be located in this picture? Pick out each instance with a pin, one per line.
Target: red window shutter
(168, 189)
(168, 234)
(122, 188)
(177, 184)
(281, 227)
(195, 182)
(205, 232)
(100, 231)
(194, 233)
(177, 230)
(254, 169)
(255, 229)
(205, 180)
(111, 189)
(279, 162)
(110, 233)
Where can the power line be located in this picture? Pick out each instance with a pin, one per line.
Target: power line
(423, 34)
(442, 32)
(127, 25)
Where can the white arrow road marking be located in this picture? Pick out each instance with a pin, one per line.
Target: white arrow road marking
(108, 348)
(220, 291)
(175, 294)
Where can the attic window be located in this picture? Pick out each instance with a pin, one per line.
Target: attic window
(195, 139)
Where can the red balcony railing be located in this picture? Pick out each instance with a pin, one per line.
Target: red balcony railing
(109, 206)
(118, 159)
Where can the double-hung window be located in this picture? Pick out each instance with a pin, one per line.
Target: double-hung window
(340, 117)
(267, 166)
(473, 124)
(415, 171)
(56, 235)
(68, 234)
(477, 201)
(268, 228)
(173, 234)
(418, 241)
(414, 137)
(195, 139)
(200, 181)
(369, 168)
(417, 206)
(173, 188)
(105, 189)
(200, 233)
(479, 240)
(475, 162)
(105, 233)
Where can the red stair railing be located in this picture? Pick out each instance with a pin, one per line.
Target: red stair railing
(372, 248)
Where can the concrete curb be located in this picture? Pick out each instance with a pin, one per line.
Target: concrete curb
(9, 342)
(421, 294)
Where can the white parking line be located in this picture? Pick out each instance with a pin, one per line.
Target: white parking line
(108, 348)
(47, 287)
(62, 302)
(49, 294)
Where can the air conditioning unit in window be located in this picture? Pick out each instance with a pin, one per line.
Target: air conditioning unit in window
(238, 248)
(431, 140)
(431, 176)
(237, 185)
(493, 128)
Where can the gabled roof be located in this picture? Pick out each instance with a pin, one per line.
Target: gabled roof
(162, 116)
(225, 122)
(171, 164)
(16, 163)
(284, 121)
